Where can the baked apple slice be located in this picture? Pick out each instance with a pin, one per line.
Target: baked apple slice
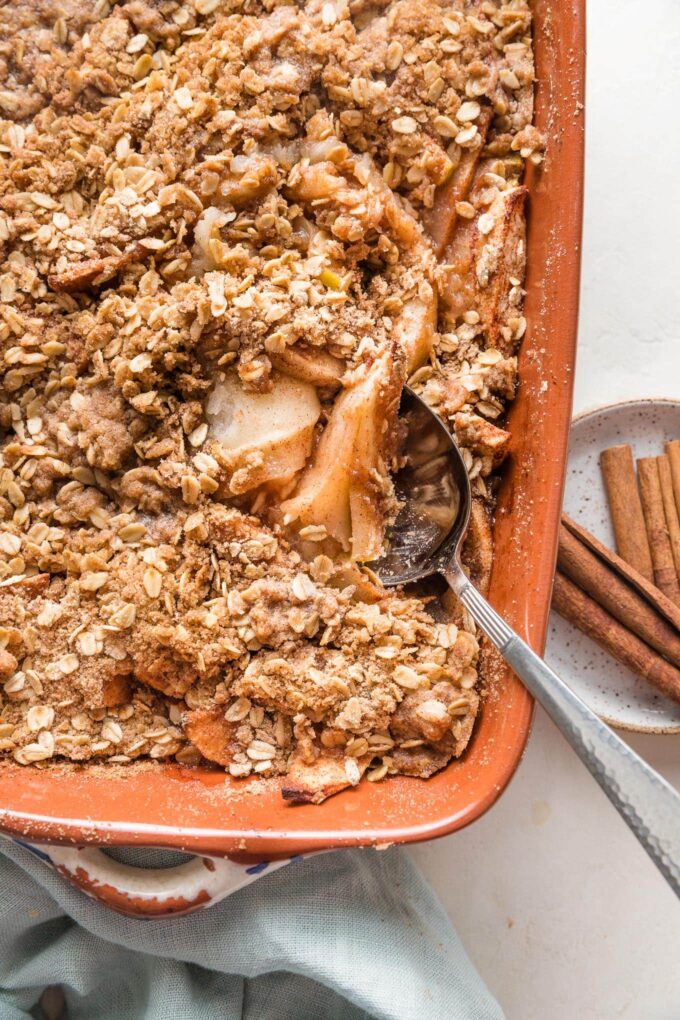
(482, 259)
(209, 731)
(317, 367)
(415, 329)
(440, 220)
(314, 782)
(344, 487)
(264, 437)
(347, 486)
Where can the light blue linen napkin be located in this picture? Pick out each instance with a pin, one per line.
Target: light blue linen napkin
(350, 935)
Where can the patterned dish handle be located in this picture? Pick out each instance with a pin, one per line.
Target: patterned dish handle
(151, 892)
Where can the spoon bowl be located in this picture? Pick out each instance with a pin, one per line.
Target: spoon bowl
(433, 489)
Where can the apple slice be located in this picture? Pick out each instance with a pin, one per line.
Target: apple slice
(416, 327)
(314, 366)
(265, 437)
(313, 782)
(440, 220)
(345, 486)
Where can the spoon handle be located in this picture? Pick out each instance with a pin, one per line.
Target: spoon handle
(649, 805)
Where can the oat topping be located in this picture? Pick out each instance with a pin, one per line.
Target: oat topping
(230, 232)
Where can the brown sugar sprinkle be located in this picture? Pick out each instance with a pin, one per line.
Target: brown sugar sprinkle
(214, 214)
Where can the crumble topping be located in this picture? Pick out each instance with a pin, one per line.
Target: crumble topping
(229, 233)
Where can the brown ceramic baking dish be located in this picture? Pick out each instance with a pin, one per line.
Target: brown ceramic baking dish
(200, 809)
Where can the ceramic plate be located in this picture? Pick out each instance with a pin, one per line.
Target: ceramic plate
(609, 688)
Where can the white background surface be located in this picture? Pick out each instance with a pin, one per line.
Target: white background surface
(556, 903)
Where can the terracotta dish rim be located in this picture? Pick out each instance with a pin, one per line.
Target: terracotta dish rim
(202, 810)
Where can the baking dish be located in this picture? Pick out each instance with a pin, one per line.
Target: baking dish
(202, 810)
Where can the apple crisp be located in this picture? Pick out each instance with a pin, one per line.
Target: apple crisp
(231, 231)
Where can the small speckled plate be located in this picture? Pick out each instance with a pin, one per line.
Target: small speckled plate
(609, 688)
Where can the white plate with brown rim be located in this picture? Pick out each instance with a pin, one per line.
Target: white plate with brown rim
(609, 688)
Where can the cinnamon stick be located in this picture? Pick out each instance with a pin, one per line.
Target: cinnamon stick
(578, 608)
(673, 453)
(657, 532)
(581, 565)
(670, 509)
(625, 507)
(651, 593)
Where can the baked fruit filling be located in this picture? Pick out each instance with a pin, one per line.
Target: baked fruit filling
(230, 233)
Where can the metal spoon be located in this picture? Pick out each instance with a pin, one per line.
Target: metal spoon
(426, 539)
